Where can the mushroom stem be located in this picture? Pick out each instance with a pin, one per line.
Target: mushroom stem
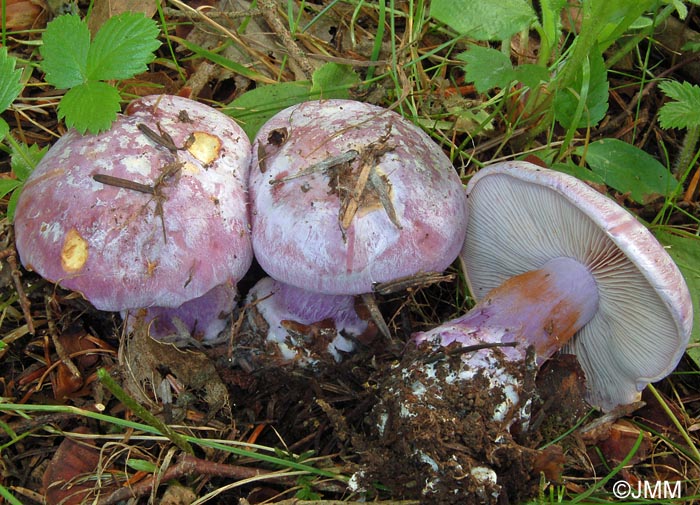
(541, 308)
(204, 317)
(301, 321)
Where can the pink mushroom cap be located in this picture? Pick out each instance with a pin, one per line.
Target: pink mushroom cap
(307, 161)
(123, 248)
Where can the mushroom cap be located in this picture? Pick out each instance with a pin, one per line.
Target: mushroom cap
(411, 216)
(522, 215)
(113, 244)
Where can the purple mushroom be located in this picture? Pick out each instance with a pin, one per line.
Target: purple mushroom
(556, 265)
(553, 265)
(151, 213)
(345, 195)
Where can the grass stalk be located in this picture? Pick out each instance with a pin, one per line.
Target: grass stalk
(201, 442)
(143, 413)
(692, 447)
(601, 483)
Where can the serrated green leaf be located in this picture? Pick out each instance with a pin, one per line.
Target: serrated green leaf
(10, 84)
(683, 112)
(628, 169)
(4, 128)
(7, 185)
(64, 50)
(333, 80)
(567, 100)
(482, 20)
(487, 68)
(24, 158)
(12, 203)
(122, 47)
(680, 91)
(90, 107)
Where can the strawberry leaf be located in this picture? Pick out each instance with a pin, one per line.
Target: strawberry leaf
(65, 48)
(122, 47)
(487, 68)
(10, 84)
(484, 20)
(120, 50)
(91, 106)
(683, 111)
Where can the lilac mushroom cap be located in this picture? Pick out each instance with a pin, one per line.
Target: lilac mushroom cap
(345, 194)
(124, 248)
(522, 217)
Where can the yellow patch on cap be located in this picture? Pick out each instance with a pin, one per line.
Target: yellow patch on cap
(190, 168)
(74, 253)
(205, 147)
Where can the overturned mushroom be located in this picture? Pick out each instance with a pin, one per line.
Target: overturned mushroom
(553, 265)
(151, 213)
(575, 270)
(345, 195)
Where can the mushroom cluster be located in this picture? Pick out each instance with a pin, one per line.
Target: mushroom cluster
(164, 211)
(150, 214)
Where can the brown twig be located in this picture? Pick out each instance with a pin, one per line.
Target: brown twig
(23, 425)
(212, 13)
(419, 280)
(188, 466)
(353, 203)
(371, 303)
(367, 162)
(692, 189)
(268, 9)
(256, 55)
(320, 167)
(119, 182)
(24, 302)
(465, 349)
(58, 345)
